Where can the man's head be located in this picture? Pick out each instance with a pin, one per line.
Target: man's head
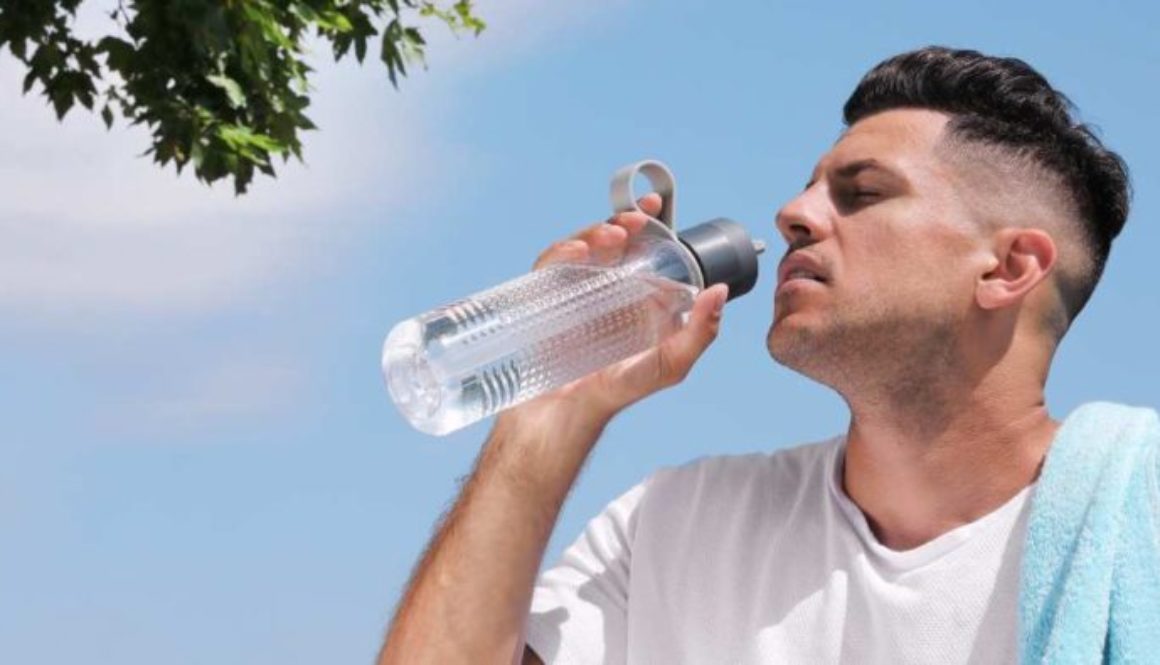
(962, 208)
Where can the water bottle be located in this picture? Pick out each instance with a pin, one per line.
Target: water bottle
(456, 364)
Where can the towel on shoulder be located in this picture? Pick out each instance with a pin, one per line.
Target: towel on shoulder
(1090, 588)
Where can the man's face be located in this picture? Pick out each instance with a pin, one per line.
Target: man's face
(882, 224)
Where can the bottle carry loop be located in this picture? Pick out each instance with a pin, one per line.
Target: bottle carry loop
(663, 183)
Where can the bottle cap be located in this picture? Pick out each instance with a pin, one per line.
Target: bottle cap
(725, 252)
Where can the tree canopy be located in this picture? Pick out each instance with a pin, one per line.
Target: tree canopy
(219, 83)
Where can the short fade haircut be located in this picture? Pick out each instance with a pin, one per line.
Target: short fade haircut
(1003, 103)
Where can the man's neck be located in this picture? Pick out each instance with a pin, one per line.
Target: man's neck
(918, 471)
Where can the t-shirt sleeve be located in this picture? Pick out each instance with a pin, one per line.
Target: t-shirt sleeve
(579, 607)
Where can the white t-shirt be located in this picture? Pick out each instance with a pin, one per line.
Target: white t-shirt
(763, 558)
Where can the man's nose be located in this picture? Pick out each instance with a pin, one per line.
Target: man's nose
(802, 222)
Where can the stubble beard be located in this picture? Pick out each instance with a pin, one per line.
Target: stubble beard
(904, 358)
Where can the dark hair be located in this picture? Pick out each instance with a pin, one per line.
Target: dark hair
(1003, 102)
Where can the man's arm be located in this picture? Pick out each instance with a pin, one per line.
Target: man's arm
(469, 597)
(470, 594)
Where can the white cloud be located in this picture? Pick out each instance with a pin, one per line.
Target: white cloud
(90, 232)
(85, 223)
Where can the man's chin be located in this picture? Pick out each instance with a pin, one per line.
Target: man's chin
(791, 345)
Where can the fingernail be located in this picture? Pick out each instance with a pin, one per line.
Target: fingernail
(722, 296)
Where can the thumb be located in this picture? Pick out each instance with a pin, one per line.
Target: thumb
(650, 204)
(685, 347)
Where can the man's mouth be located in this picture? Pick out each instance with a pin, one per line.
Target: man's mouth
(799, 265)
(802, 274)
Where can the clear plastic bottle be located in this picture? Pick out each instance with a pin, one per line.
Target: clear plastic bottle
(456, 364)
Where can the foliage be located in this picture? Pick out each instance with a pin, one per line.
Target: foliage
(219, 83)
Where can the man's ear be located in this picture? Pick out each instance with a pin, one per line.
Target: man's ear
(1022, 259)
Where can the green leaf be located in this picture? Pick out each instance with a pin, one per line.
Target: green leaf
(62, 101)
(234, 135)
(334, 21)
(469, 20)
(244, 140)
(304, 12)
(197, 155)
(390, 54)
(85, 55)
(412, 35)
(233, 91)
(47, 57)
(118, 53)
(222, 84)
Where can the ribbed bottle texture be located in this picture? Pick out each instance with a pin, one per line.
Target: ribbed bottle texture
(456, 364)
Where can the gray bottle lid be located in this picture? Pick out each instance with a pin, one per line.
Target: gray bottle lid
(725, 253)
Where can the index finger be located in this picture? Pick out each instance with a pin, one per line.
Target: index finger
(635, 220)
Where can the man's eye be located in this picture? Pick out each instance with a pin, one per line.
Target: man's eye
(859, 197)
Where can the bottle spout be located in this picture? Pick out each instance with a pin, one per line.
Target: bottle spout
(758, 246)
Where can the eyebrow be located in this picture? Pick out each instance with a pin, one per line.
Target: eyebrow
(854, 168)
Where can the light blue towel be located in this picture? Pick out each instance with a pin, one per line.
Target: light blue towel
(1090, 590)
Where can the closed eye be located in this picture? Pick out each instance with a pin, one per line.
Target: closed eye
(851, 200)
(856, 198)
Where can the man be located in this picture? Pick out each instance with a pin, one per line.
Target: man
(937, 255)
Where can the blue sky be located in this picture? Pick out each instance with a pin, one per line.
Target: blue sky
(198, 460)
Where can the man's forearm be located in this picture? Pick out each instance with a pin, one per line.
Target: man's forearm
(469, 597)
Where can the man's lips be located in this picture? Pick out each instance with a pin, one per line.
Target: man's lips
(799, 265)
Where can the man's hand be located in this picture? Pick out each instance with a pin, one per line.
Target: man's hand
(469, 597)
(608, 391)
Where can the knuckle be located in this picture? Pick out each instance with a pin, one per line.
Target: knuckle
(547, 255)
(615, 231)
(588, 232)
